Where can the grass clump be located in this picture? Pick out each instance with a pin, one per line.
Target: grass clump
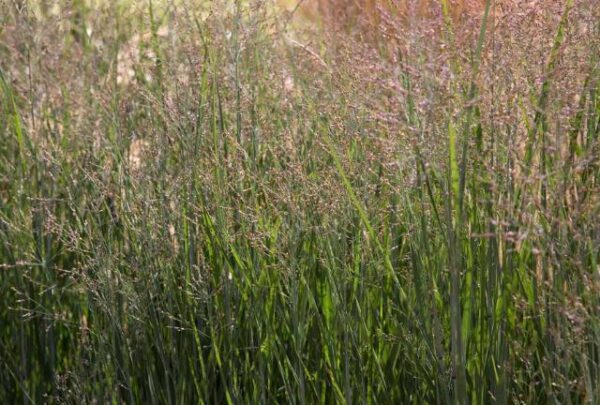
(202, 204)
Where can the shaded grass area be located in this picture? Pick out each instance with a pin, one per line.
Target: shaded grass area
(199, 205)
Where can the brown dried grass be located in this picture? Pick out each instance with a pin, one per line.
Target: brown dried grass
(367, 15)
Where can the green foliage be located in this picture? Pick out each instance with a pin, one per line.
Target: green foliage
(194, 209)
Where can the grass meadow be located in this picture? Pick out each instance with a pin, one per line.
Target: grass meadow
(236, 202)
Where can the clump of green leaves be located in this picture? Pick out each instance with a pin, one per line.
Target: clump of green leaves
(198, 204)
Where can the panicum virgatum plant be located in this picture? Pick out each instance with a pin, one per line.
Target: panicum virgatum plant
(235, 202)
